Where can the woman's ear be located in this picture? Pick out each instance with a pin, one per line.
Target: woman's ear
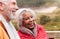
(1, 6)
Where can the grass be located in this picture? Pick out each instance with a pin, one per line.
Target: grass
(53, 26)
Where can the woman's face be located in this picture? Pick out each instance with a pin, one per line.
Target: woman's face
(28, 20)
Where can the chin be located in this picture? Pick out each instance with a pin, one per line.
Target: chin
(32, 27)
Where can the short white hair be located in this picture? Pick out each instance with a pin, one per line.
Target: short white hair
(4, 1)
(20, 12)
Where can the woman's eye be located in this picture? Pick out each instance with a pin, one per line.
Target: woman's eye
(26, 18)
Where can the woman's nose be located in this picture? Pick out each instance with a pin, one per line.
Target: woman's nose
(31, 19)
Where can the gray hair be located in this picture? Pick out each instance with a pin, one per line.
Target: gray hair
(20, 12)
(4, 1)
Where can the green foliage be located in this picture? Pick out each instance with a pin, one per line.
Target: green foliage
(56, 19)
(52, 26)
(15, 24)
(44, 19)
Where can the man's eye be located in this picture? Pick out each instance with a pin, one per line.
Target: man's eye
(14, 3)
(31, 16)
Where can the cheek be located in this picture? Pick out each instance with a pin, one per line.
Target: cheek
(10, 6)
(26, 21)
(33, 19)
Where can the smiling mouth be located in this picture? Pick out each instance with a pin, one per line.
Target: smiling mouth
(32, 24)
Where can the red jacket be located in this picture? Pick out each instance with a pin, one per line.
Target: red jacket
(41, 34)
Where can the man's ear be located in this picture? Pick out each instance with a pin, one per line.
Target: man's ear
(1, 6)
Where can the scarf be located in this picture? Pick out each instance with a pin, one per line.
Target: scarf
(28, 31)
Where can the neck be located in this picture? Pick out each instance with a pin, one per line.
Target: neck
(5, 16)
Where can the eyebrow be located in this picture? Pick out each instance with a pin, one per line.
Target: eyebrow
(13, 3)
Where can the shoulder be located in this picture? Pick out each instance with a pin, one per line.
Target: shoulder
(1, 24)
(40, 26)
(1, 32)
(1, 28)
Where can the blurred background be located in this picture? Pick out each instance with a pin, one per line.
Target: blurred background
(48, 14)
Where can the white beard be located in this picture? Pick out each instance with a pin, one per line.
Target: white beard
(11, 14)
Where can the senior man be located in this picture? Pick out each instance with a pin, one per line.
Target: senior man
(7, 9)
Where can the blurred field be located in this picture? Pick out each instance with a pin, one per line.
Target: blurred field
(50, 20)
(54, 23)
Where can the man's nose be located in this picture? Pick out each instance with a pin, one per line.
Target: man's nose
(17, 7)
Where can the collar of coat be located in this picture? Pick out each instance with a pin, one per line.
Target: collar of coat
(28, 31)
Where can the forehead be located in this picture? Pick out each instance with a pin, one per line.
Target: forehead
(4, 1)
(12, 0)
(27, 13)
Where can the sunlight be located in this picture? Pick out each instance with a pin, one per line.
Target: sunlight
(47, 10)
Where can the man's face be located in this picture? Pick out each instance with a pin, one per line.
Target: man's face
(28, 20)
(12, 7)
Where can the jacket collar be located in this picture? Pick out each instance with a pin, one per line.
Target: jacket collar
(28, 31)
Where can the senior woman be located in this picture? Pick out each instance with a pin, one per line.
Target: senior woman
(28, 28)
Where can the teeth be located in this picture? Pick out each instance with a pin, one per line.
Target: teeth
(31, 24)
